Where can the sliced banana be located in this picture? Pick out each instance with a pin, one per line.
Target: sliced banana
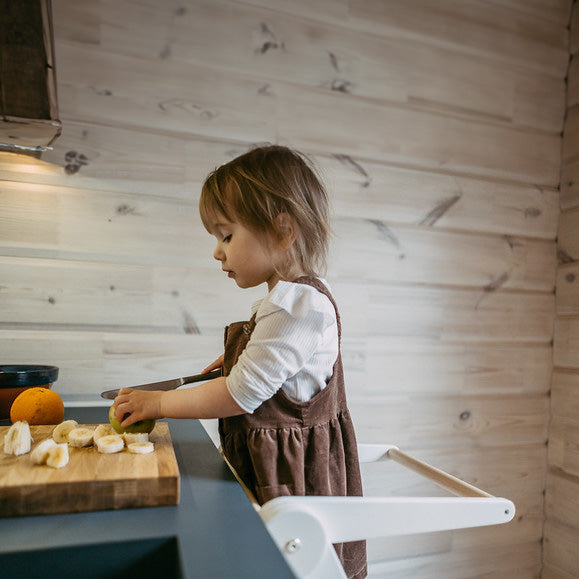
(79, 437)
(61, 431)
(57, 455)
(103, 430)
(110, 444)
(18, 439)
(132, 437)
(141, 447)
(40, 453)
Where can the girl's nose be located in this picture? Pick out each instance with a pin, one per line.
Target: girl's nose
(218, 253)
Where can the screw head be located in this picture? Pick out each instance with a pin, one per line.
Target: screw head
(292, 546)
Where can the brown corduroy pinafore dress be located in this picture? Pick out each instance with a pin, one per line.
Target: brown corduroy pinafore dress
(296, 448)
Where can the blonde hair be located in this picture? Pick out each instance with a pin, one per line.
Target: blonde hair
(256, 187)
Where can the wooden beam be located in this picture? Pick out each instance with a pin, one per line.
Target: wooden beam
(28, 103)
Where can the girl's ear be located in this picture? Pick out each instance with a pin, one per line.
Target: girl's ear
(285, 228)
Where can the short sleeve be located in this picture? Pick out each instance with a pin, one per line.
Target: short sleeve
(290, 325)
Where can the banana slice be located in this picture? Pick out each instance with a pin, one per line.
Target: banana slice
(57, 455)
(40, 453)
(61, 431)
(132, 437)
(18, 439)
(103, 430)
(79, 437)
(141, 447)
(110, 444)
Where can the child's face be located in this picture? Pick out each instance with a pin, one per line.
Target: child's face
(244, 256)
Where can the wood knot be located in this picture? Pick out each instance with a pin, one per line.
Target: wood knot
(125, 209)
(268, 40)
(189, 324)
(563, 256)
(532, 212)
(465, 415)
(342, 85)
(73, 161)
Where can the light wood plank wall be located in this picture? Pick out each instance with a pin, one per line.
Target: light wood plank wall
(437, 126)
(561, 534)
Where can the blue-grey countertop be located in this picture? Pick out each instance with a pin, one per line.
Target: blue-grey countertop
(214, 532)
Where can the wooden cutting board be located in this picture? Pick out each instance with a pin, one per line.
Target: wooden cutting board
(91, 481)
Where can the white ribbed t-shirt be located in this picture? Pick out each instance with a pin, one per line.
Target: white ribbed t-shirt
(294, 346)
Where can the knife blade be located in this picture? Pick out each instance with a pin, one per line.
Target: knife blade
(165, 384)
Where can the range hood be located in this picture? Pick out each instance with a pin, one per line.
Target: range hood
(28, 104)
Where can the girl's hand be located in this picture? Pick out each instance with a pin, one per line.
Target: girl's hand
(214, 365)
(134, 405)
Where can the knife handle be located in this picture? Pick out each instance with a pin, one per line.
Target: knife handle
(201, 377)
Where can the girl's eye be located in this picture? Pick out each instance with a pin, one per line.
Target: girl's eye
(227, 239)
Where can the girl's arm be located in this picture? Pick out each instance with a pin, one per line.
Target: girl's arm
(208, 400)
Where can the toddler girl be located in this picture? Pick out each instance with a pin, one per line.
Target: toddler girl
(284, 423)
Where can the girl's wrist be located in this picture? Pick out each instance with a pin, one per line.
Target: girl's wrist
(161, 404)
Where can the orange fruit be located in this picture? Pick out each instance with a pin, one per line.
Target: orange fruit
(37, 405)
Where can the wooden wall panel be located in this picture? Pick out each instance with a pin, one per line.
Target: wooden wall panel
(565, 394)
(316, 52)
(573, 83)
(562, 518)
(570, 185)
(403, 550)
(92, 361)
(267, 112)
(567, 301)
(447, 421)
(563, 452)
(169, 166)
(383, 364)
(560, 500)
(136, 229)
(80, 223)
(446, 314)
(42, 292)
(560, 546)
(549, 572)
(568, 240)
(397, 196)
(69, 292)
(515, 561)
(437, 127)
(494, 29)
(566, 344)
(570, 154)
(417, 256)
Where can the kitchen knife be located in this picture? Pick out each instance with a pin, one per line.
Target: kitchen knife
(166, 384)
